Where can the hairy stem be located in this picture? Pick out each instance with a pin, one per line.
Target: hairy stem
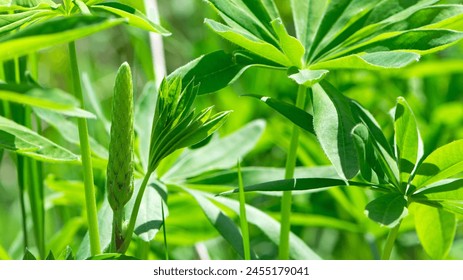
(289, 173)
(134, 214)
(391, 237)
(90, 200)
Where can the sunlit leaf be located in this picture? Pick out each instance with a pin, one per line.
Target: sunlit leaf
(26, 142)
(133, 16)
(436, 230)
(52, 32)
(442, 163)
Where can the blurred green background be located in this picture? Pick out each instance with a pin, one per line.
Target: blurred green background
(433, 87)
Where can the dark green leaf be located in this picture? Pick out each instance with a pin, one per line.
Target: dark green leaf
(50, 256)
(112, 256)
(28, 256)
(296, 184)
(388, 210)
(297, 116)
(333, 123)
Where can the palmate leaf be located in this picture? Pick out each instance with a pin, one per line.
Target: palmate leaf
(21, 140)
(52, 32)
(51, 99)
(10, 22)
(357, 34)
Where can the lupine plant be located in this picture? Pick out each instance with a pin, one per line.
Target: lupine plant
(164, 162)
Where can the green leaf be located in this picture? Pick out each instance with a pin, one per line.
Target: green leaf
(66, 254)
(220, 154)
(298, 250)
(212, 71)
(307, 77)
(52, 32)
(133, 16)
(9, 22)
(66, 235)
(383, 157)
(28, 256)
(24, 141)
(31, 3)
(333, 123)
(149, 219)
(111, 256)
(444, 190)
(407, 139)
(257, 175)
(292, 48)
(250, 42)
(64, 193)
(239, 16)
(295, 184)
(418, 41)
(224, 225)
(296, 115)
(51, 99)
(69, 131)
(436, 230)
(370, 61)
(366, 153)
(50, 256)
(388, 209)
(144, 110)
(307, 15)
(443, 163)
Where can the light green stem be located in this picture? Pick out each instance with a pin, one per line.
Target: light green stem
(157, 44)
(243, 218)
(90, 200)
(164, 231)
(134, 215)
(391, 237)
(289, 174)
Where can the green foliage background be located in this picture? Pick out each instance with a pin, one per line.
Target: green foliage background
(332, 223)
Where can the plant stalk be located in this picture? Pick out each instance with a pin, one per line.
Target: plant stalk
(134, 214)
(243, 219)
(157, 44)
(90, 200)
(289, 174)
(391, 237)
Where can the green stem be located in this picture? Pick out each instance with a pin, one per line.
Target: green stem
(20, 174)
(133, 216)
(117, 238)
(289, 173)
(164, 231)
(243, 219)
(391, 237)
(90, 200)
